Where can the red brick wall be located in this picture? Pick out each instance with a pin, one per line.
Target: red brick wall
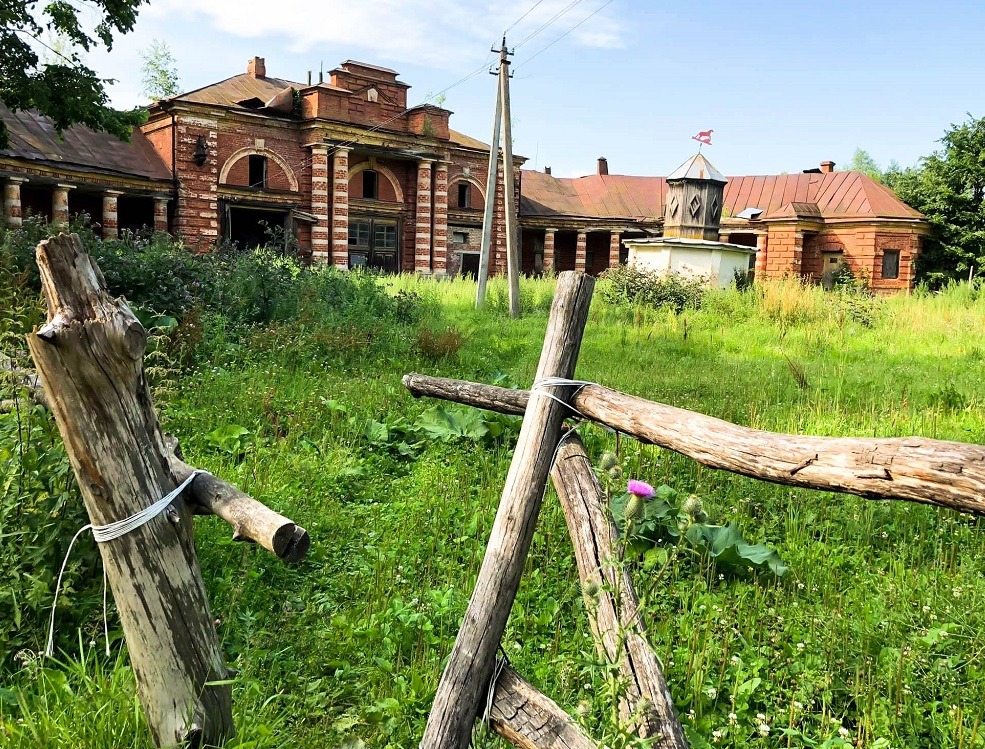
(196, 219)
(785, 253)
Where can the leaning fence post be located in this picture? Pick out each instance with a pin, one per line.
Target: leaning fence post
(89, 359)
(470, 665)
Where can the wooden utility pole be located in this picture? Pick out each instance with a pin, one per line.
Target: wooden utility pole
(502, 121)
(490, 206)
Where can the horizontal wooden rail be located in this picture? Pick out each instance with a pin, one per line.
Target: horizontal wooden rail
(916, 469)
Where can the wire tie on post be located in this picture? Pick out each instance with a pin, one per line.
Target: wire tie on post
(109, 532)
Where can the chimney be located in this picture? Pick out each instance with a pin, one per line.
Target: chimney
(255, 68)
(603, 165)
(309, 77)
(547, 170)
(827, 167)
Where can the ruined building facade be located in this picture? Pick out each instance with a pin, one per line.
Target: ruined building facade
(343, 172)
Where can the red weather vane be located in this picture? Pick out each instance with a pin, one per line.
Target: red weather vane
(704, 137)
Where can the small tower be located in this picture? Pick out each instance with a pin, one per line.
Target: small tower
(694, 200)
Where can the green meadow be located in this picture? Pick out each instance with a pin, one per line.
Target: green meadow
(875, 637)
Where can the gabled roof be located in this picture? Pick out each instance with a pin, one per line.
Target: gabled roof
(697, 167)
(230, 92)
(836, 195)
(466, 141)
(33, 138)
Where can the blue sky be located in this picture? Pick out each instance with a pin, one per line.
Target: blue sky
(784, 85)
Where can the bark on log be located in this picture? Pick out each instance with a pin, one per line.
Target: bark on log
(529, 719)
(611, 599)
(470, 665)
(916, 469)
(89, 358)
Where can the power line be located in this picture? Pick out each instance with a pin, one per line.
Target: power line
(543, 26)
(544, 49)
(529, 11)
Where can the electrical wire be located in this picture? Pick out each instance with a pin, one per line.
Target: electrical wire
(547, 23)
(544, 49)
(529, 11)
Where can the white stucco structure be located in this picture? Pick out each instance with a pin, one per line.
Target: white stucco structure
(716, 262)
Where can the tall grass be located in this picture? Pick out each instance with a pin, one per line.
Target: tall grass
(875, 637)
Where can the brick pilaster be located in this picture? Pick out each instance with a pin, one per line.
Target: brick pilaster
(59, 204)
(422, 237)
(110, 220)
(12, 212)
(439, 241)
(321, 230)
(615, 243)
(549, 250)
(581, 251)
(340, 209)
(762, 248)
(161, 214)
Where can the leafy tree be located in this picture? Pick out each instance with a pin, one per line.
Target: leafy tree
(863, 162)
(159, 71)
(949, 188)
(64, 88)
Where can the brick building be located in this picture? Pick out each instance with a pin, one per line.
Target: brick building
(345, 172)
(342, 169)
(800, 224)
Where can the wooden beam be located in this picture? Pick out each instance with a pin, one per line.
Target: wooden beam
(470, 665)
(528, 719)
(88, 356)
(610, 599)
(915, 469)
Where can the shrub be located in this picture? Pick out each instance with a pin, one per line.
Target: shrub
(630, 285)
(442, 344)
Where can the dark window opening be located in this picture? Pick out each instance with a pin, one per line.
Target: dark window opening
(460, 237)
(371, 185)
(464, 195)
(255, 227)
(373, 244)
(890, 264)
(470, 265)
(258, 171)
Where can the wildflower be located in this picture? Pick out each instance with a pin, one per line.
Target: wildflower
(639, 488)
(844, 732)
(733, 719)
(639, 492)
(711, 692)
(764, 730)
(717, 734)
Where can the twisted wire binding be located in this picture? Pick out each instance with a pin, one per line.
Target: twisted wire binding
(109, 532)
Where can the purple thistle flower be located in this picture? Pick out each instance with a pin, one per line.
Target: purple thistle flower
(639, 488)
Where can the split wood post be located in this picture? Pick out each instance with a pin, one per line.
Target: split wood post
(528, 719)
(915, 469)
(509, 188)
(89, 358)
(470, 665)
(610, 596)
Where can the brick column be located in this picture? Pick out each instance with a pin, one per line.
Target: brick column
(340, 209)
(549, 250)
(59, 204)
(12, 214)
(581, 251)
(321, 229)
(440, 234)
(422, 242)
(798, 254)
(762, 243)
(161, 214)
(615, 242)
(110, 222)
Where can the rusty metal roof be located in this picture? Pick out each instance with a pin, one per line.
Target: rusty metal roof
(467, 141)
(242, 87)
(33, 138)
(834, 195)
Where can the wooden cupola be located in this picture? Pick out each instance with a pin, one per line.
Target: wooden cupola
(694, 200)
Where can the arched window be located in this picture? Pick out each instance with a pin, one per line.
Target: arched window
(464, 195)
(258, 171)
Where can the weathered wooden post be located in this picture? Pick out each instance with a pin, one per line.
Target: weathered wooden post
(89, 359)
(614, 612)
(470, 665)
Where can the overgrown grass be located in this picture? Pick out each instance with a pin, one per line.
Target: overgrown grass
(875, 637)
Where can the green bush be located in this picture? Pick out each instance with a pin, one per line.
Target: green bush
(632, 286)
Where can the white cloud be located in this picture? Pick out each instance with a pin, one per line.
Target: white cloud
(439, 33)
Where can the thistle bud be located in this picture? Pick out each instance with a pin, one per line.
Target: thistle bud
(608, 461)
(694, 508)
(615, 473)
(634, 507)
(590, 589)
